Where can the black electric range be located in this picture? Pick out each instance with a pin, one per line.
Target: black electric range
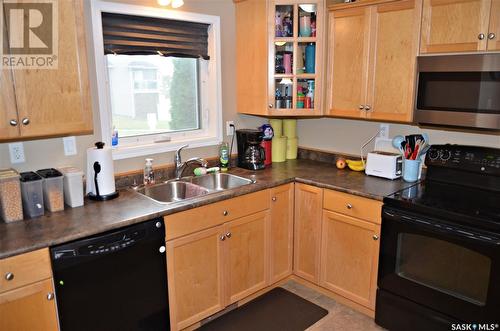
(440, 245)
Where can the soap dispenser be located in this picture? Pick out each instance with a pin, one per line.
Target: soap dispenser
(149, 175)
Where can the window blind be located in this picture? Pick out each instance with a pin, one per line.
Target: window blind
(139, 35)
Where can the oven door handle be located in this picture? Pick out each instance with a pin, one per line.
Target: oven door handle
(454, 230)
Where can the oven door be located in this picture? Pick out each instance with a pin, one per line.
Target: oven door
(444, 267)
(459, 90)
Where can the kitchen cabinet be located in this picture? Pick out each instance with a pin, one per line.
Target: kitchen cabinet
(307, 231)
(372, 68)
(62, 106)
(8, 110)
(459, 26)
(494, 30)
(27, 293)
(247, 255)
(31, 307)
(349, 257)
(281, 243)
(279, 57)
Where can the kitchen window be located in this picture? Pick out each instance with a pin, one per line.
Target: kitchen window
(158, 78)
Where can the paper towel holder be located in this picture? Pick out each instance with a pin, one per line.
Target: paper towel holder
(97, 169)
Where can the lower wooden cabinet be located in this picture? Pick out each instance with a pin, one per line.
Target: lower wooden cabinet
(195, 276)
(349, 257)
(31, 307)
(307, 231)
(281, 243)
(247, 255)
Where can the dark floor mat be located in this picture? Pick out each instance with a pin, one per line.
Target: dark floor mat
(276, 310)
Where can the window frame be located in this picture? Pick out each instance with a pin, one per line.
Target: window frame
(210, 86)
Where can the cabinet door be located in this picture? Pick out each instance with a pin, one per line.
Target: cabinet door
(307, 231)
(30, 307)
(454, 25)
(195, 277)
(57, 101)
(247, 252)
(281, 232)
(494, 31)
(348, 66)
(8, 111)
(349, 257)
(394, 60)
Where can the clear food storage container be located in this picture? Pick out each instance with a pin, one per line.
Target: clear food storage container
(32, 194)
(53, 194)
(73, 186)
(11, 206)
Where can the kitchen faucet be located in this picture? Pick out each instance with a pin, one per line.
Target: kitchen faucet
(180, 166)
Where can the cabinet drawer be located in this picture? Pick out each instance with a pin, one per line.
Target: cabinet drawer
(24, 269)
(204, 217)
(352, 205)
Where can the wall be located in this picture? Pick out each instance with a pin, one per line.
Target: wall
(50, 152)
(347, 136)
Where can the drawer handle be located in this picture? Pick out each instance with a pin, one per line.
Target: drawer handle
(225, 213)
(222, 237)
(349, 206)
(228, 235)
(375, 237)
(9, 276)
(274, 198)
(50, 296)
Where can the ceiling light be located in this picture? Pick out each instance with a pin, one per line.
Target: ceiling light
(177, 3)
(164, 2)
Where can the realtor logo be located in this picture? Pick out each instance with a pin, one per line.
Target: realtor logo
(29, 34)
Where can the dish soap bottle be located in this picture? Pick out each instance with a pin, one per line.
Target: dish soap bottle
(149, 175)
(224, 156)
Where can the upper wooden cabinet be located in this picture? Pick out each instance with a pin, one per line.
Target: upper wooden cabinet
(279, 55)
(460, 26)
(51, 102)
(372, 64)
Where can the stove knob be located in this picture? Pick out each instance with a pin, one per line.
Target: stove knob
(445, 155)
(433, 154)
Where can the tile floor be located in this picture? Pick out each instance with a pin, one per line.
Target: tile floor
(339, 317)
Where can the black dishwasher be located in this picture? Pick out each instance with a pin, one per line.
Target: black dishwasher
(113, 281)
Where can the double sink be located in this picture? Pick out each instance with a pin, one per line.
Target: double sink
(191, 187)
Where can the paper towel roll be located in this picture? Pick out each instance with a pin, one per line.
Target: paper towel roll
(277, 126)
(290, 128)
(279, 149)
(106, 177)
(292, 148)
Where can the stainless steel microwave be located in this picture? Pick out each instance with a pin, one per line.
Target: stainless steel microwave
(458, 91)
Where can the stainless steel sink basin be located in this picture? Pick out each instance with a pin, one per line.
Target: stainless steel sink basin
(173, 191)
(218, 181)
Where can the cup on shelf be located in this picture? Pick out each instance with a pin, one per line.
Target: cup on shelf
(305, 26)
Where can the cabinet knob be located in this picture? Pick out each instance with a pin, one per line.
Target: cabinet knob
(162, 249)
(271, 105)
(274, 198)
(228, 235)
(13, 122)
(50, 296)
(225, 213)
(158, 225)
(9, 276)
(375, 237)
(491, 36)
(367, 107)
(349, 206)
(361, 107)
(25, 121)
(480, 36)
(222, 237)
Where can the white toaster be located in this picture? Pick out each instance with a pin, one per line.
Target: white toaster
(384, 164)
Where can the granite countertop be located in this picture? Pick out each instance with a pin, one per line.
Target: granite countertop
(131, 207)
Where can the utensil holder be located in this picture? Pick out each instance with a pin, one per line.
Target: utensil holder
(411, 170)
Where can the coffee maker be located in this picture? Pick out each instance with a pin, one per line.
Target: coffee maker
(250, 154)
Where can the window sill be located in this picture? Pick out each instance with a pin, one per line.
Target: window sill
(126, 152)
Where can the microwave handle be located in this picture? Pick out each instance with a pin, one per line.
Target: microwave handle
(455, 230)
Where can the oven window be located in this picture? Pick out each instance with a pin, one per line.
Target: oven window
(475, 92)
(444, 266)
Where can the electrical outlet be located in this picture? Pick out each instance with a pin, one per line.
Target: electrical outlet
(229, 129)
(16, 151)
(384, 130)
(69, 146)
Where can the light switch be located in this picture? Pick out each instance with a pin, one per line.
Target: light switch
(69, 145)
